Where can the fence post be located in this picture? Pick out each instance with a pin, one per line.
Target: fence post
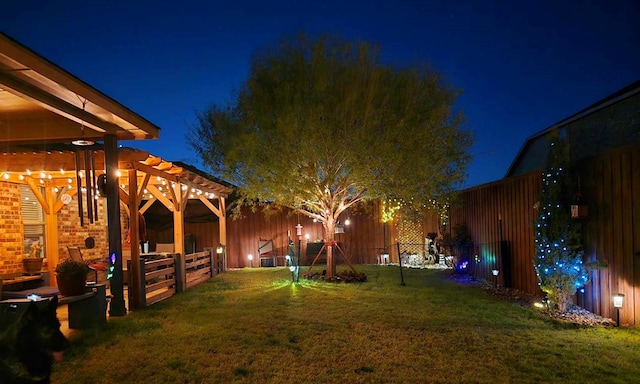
(142, 278)
(211, 260)
(180, 272)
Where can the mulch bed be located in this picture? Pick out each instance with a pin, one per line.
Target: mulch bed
(340, 277)
(573, 316)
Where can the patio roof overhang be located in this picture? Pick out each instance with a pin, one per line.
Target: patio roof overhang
(41, 106)
(42, 103)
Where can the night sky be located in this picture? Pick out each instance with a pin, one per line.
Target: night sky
(522, 67)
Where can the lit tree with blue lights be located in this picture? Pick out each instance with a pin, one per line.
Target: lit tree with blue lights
(558, 260)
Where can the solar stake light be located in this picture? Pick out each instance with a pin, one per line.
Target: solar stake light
(618, 299)
(250, 257)
(495, 273)
(545, 302)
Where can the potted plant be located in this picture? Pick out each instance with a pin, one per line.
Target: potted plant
(32, 260)
(71, 276)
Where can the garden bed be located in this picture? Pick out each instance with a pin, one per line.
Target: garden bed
(574, 315)
(340, 277)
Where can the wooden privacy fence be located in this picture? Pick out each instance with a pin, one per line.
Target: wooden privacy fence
(164, 277)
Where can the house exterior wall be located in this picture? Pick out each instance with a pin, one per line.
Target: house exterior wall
(12, 230)
(70, 233)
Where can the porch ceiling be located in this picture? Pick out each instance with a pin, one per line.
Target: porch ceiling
(40, 101)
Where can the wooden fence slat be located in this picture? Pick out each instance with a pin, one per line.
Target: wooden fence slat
(160, 296)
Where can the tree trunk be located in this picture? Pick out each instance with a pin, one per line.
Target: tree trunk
(329, 237)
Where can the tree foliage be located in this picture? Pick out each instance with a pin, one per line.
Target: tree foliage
(321, 124)
(559, 255)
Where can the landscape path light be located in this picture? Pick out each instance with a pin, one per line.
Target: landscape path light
(250, 257)
(618, 299)
(495, 273)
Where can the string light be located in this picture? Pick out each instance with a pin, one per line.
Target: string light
(558, 266)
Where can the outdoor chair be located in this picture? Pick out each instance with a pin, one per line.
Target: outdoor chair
(267, 253)
(76, 255)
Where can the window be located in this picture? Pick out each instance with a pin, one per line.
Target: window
(33, 221)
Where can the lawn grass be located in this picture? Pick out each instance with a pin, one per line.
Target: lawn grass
(254, 326)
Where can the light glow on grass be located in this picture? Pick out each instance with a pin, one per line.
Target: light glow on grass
(255, 325)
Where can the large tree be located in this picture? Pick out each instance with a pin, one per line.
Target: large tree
(322, 124)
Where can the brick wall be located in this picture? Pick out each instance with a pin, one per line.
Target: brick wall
(70, 233)
(11, 229)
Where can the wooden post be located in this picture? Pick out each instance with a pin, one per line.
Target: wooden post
(141, 295)
(181, 273)
(51, 236)
(222, 230)
(136, 284)
(178, 232)
(116, 304)
(211, 259)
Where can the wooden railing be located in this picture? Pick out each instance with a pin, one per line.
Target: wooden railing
(198, 267)
(163, 278)
(159, 280)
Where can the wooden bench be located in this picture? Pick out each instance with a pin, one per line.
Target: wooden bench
(21, 282)
(87, 310)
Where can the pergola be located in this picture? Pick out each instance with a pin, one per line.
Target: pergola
(43, 108)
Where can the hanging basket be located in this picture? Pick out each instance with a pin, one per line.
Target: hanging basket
(32, 265)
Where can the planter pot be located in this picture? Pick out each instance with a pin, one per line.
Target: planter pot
(32, 265)
(71, 285)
